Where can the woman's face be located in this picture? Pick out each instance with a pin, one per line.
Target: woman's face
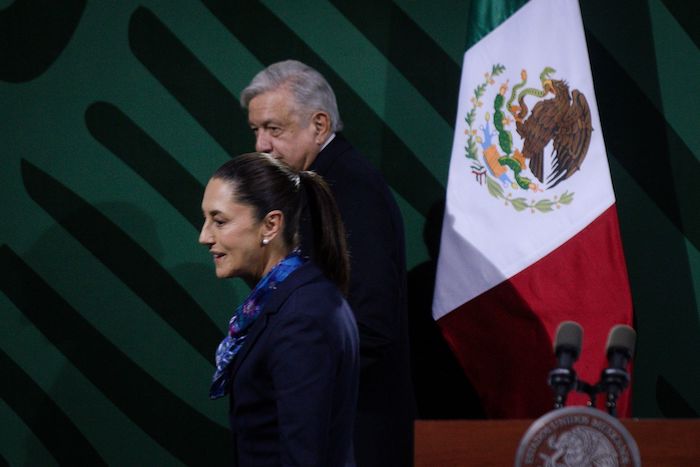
(231, 232)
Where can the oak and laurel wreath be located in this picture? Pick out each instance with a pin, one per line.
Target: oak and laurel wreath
(471, 152)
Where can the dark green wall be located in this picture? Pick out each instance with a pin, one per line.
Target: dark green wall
(115, 113)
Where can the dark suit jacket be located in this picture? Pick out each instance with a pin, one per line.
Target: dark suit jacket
(294, 382)
(377, 296)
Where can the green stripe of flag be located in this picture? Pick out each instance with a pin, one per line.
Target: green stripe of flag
(487, 15)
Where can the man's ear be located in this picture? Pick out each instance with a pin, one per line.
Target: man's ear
(272, 225)
(322, 125)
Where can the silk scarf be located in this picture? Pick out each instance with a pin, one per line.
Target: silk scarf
(242, 319)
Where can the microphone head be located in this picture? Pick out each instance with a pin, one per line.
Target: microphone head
(621, 337)
(569, 335)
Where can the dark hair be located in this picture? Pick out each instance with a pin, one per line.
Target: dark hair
(267, 184)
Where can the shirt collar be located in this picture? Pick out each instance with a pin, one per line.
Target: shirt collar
(330, 138)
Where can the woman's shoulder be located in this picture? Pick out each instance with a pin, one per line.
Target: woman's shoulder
(311, 286)
(313, 308)
(307, 291)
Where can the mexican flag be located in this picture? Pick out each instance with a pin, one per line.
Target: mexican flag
(530, 235)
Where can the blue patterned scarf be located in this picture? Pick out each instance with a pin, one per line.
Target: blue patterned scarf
(244, 316)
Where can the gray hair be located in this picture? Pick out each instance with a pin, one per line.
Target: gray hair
(310, 89)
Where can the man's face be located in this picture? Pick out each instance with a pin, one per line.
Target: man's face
(279, 130)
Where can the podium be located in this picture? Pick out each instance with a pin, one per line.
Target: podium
(484, 443)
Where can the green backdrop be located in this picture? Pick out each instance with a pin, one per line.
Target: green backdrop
(115, 113)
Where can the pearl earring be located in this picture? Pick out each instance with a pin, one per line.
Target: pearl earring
(265, 241)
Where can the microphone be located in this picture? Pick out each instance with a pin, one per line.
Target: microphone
(619, 351)
(567, 346)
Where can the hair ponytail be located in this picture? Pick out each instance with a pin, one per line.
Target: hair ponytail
(265, 183)
(330, 246)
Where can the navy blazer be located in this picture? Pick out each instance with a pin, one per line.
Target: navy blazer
(294, 381)
(377, 296)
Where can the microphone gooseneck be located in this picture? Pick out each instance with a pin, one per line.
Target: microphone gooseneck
(567, 347)
(613, 380)
(619, 350)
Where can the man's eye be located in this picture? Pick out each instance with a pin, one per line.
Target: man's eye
(275, 131)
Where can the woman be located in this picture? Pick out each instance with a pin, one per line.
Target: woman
(290, 361)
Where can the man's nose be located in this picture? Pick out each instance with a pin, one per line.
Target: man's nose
(263, 143)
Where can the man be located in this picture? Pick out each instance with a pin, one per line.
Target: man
(293, 113)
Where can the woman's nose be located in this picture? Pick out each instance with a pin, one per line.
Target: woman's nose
(205, 236)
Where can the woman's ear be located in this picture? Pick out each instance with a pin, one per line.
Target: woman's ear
(272, 226)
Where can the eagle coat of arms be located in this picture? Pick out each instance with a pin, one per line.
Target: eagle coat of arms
(549, 145)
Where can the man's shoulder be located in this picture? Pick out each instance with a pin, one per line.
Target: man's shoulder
(341, 164)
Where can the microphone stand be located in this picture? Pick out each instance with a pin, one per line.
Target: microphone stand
(591, 390)
(562, 380)
(613, 381)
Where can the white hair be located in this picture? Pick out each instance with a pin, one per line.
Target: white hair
(310, 89)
